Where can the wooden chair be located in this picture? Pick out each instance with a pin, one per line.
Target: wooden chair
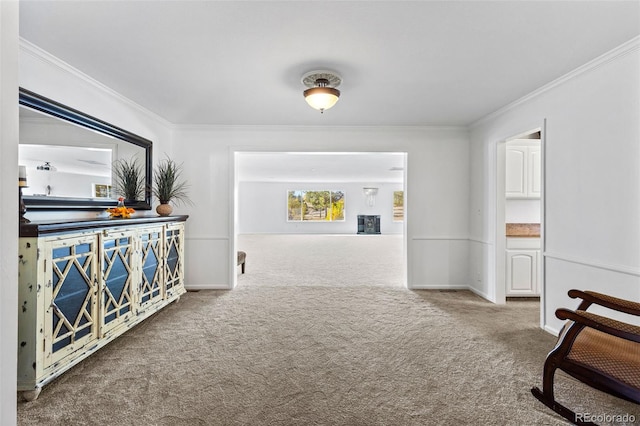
(602, 352)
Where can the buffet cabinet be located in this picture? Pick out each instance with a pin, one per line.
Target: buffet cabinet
(82, 284)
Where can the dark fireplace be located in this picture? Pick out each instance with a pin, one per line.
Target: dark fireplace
(368, 224)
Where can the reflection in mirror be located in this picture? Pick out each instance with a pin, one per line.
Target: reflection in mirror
(66, 171)
(69, 157)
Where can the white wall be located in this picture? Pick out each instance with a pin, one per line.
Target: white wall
(262, 208)
(437, 192)
(522, 211)
(592, 183)
(8, 211)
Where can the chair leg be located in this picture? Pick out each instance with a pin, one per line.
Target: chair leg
(242, 266)
(559, 408)
(547, 398)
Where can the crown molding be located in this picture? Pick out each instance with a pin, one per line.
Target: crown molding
(305, 128)
(46, 57)
(618, 52)
(31, 49)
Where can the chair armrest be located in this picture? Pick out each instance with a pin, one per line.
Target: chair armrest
(600, 323)
(590, 297)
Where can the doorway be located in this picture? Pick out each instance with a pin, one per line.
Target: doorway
(265, 182)
(519, 256)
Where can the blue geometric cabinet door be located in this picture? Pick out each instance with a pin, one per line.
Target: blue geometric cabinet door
(151, 253)
(174, 252)
(117, 266)
(71, 319)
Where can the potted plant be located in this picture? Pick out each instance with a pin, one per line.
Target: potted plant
(168, 186)
(129, 179)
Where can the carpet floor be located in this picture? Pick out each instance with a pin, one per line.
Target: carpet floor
(328, 353)
(322, 260)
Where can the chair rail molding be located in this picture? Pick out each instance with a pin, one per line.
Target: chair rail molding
(622, 269)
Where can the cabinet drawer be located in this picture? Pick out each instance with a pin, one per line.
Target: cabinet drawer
(527, 243)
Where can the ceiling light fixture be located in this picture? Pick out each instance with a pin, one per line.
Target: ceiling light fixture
(47, 167)
(321, 93)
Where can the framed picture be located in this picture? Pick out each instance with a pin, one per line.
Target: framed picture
(101, 190)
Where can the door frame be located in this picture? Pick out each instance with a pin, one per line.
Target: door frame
(500, 237)
(233, 216)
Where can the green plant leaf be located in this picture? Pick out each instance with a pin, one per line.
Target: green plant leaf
(129, 178)
(168, 184)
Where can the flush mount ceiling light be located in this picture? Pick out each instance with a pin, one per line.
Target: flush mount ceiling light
(321, 93)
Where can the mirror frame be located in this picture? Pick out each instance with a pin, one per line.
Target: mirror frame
(56, 109)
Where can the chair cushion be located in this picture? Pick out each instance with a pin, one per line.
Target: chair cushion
(241, 257)
(611, 355)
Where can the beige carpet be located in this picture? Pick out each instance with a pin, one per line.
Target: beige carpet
(318, 355)
(322, 260)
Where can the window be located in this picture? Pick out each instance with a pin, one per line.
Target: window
(315, 206)
(398, 206)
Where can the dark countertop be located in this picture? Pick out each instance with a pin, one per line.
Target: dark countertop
(41, 227)
(527, 230)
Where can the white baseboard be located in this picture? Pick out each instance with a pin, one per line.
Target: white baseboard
(481, 294)
(438, 287)
(551, 330)
(196, 287)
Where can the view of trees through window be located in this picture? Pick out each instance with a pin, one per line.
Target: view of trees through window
(398, 206)
(315, 206)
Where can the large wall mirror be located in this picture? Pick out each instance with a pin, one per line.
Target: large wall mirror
(69, 157)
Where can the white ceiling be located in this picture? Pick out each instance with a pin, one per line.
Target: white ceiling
(68, 159)
(403, 62)
(366, 168)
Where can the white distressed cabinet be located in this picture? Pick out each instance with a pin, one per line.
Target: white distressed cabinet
(523, 170)
(82, 284)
